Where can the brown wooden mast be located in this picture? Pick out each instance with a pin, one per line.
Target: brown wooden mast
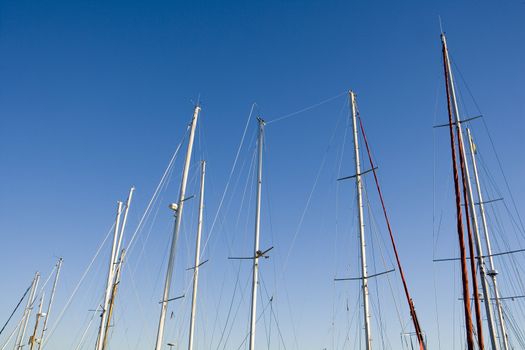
(459, 221)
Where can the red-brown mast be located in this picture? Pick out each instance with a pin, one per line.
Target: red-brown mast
(459, 221)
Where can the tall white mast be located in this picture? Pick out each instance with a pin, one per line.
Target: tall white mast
(109, 282)
(359, 187)
(492, 272)
(115, 273)
(257, 252)
(178, 217)
(50, 304)
(197, 258)
(472, 210)
(27, 312)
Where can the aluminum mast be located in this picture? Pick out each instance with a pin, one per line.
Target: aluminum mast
(197, 258)
(492, 272)
(124, 221)
(109, 282)
(50, 304)
(359, 188)
(178, 217)
(27, 312)
(257, 252)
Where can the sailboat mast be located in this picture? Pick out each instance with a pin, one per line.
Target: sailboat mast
(117, 259)
(27, 312)
(473, 215)
(178, 217)
(124, 221)
(197, 258)
(50, 304)
(32, 338)
(492, 272)
(114, 288)
(109, 282)
(359, 187)
(257, 252)
(459, 221)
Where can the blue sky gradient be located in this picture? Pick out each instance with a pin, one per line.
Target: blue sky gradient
(95, 97)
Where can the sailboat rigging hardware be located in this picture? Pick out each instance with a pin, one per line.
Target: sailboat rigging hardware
(353, 176)
(259, 254)
(171, 299)
(455, 123)
(367, 277)
(483, 256)
(194, 267)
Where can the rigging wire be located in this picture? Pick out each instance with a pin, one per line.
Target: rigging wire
(16, 308)
(310, 195)
(435, 235)
(269, 197)
(160, 187)
(229, 179)
(336, 199)
(315, 105)
(129, 246)
(70, 299)
(257, 320)
(80, 343)
(251, 174)
(271, 298)
(500, 164)
(23, 297)
(518, 224)
(413, 314)
(12, 333)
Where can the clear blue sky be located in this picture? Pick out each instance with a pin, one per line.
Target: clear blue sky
(95, 96)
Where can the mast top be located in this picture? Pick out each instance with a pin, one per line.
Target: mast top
(261, 120)
(443, 39)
